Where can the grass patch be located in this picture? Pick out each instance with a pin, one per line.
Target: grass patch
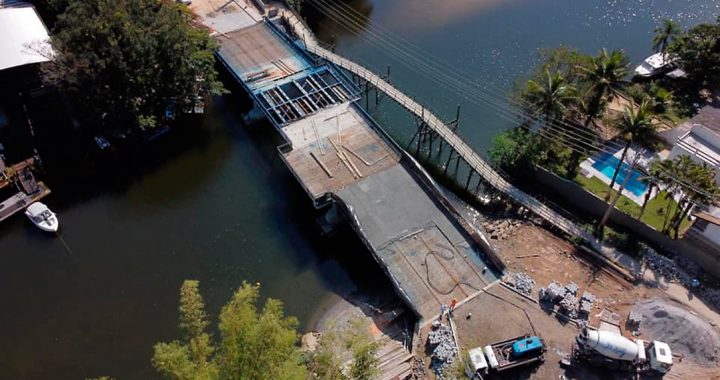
(655, 211)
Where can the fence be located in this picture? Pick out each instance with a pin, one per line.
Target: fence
(704, 255)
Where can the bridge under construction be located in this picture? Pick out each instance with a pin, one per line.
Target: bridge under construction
(345, 161)
(347, 164)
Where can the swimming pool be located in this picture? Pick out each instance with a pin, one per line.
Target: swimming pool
(606, 164)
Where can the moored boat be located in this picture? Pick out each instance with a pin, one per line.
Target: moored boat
(42, 217)
(656, 64)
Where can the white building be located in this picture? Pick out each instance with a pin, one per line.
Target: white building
(699, 138)
(24, 39)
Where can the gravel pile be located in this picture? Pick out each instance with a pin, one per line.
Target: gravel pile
(687, 334)
(681, 270)
(443, 347)
(521, 281)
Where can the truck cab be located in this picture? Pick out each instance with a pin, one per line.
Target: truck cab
(660, 357)
(531, 345)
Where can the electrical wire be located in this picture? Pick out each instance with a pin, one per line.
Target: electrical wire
(578, 143)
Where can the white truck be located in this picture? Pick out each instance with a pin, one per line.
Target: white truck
(510, 353)
(614, 351)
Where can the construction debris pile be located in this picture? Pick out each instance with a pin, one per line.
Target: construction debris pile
(443, 348)
(502, 229)
(670, 268)
(566, 297)
(521, 281)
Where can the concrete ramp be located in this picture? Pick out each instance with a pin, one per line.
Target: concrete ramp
(429, 257)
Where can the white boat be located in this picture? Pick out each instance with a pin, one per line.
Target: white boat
(42, 217)
(655, 64)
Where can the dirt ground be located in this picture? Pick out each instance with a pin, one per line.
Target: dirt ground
(546, 257)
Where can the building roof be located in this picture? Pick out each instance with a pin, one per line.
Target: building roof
(24, 39)
(709, 117)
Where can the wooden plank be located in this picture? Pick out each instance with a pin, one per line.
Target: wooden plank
(327, 171)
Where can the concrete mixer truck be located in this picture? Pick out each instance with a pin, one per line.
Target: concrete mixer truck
(612, 350)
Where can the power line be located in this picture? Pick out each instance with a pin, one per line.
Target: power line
(578, 143)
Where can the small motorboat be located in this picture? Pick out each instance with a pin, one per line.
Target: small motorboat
(42, 217)
(656, 64)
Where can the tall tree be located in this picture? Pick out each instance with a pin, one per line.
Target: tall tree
(124, 63)
(698, 51)
(253, 344)
(604, 76)
(551, 96)
(697, 186)
(635, 126)
(651, 180)
(190, 358)
(665, 34)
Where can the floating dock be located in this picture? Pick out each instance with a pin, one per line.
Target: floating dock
(29, 190)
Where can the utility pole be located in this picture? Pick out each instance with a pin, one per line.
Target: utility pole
(599, 231)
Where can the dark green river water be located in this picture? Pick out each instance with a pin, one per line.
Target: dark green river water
(225, 210)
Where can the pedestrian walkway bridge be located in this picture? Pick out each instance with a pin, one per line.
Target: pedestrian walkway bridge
(473, 159)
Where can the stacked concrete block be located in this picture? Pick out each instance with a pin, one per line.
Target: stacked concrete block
(569, 305)
(553, 293)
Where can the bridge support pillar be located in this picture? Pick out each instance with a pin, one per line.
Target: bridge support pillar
(469, 177)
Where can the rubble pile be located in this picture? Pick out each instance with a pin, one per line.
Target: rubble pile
(670, 268)
(502, 228)
(443, 347)
(665, 266)
(521, 281)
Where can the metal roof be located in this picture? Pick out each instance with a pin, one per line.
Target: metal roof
(24, 38)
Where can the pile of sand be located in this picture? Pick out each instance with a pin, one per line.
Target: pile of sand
(686, 333)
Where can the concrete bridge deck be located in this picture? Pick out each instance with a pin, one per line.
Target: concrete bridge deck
(341, 157)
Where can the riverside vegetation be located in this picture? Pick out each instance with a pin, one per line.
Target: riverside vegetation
(258, 343)
(568, 98)
(129, 65)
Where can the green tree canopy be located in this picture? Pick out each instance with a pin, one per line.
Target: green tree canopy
(635, 127)
(254, 344)
(699, 52)
(665, 34)
(551, 96)
(694, 183)
(604, 75)
(125, 62)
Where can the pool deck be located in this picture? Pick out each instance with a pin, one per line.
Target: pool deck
(589, 171)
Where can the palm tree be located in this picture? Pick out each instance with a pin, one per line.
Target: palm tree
(698, 186)
(665, 34)
(635, 126)
(552, 96)
(651, 180)
(604, 74)
(660, 97)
